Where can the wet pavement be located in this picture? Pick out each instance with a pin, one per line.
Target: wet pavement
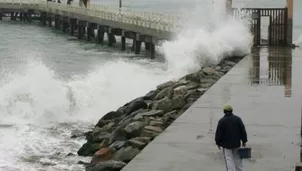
(265, 91)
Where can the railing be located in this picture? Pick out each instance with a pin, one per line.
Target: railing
(157, 21)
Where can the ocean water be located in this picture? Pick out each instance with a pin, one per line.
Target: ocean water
(51, 85)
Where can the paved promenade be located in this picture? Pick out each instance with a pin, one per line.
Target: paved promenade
(265, 91)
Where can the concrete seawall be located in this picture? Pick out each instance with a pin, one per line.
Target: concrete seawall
(271, 112)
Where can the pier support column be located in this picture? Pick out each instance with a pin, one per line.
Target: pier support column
(123, 41)
(111, 38)
(133, 44)
(89, 31)
(12, 16)
(65, 24)
(100, 35)
(1, 16)
(290, 9)
(137, 44)
(21, 16)
(29, 15)
(49, 19)
(152, 51)
(81, 29)
(147, 45)
(73, 23)
(57, 23)
(43, 18)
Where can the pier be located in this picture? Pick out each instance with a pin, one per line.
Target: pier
(140, 26)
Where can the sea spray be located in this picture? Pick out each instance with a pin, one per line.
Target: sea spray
(208, 36)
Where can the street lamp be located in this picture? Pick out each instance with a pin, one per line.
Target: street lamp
(120, 3)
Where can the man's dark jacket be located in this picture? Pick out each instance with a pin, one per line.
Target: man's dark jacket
(230, 130)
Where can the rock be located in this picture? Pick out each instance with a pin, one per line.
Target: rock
(181, 82)
(100, 136)
(153, 129)
(70, 154)
(177, 102)
(106, 166)
(230, 63)
(165, 85)
(193, 94)
(218, 68)
(83, 163)
(166, 104)
(134, 128)
(156, 123)
(88, 149)
(104, 154)
(126, 154)
(135, 105)
(163, 93)
(192, 85)
(77, 134)
(209, 70)
(149, 113)
(206, 85)
(147, 133)
(112, 115)
(101, 123)
(138, 111)
(170, 117)
(135, 143)
(207, 81)
(194, 77)
(118, 135)
(150, 95)
(163, 104)
(108, 127)
(125, 121)
(117, 145)
(180, 91)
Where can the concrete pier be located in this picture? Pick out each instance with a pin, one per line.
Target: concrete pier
(100, 34)
(257, 88)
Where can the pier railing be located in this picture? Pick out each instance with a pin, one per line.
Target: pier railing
(158, 21)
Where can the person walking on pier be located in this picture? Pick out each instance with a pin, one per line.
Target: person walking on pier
(229, 134)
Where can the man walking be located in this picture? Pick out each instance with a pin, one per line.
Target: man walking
(229, 134)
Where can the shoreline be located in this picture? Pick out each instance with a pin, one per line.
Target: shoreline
(120, 135)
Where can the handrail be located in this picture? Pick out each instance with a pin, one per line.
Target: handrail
(157, 21)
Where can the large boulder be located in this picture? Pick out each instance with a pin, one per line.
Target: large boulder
(149, 114)
(112, 115)
(150, 95)
(138, 142)
(88, 149)
(134, 128)
(104, 154)
(126, 154)
(99, 136)
(117, 145)
(166, 104)
(194, 77)
(209, 70)
(118, 135)
(134, 105)
(165, 85)
(106, 166)
(163, 93)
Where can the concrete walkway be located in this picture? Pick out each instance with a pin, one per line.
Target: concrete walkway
(265, 91)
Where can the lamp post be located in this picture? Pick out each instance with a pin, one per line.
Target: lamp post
(120, 3)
